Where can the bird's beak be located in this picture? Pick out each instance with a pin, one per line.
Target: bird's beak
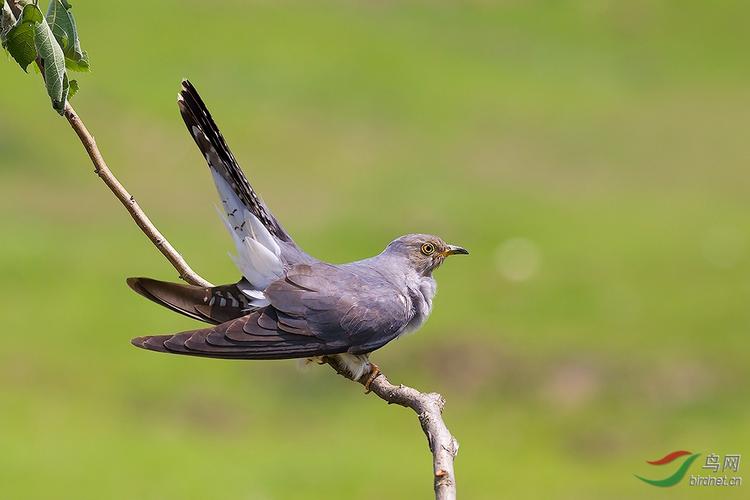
(456, 250)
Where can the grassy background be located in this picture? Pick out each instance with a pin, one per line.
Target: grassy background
(592, 155)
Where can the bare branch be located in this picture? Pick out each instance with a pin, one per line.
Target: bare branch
(14, 7)
(429, 410)
(128, 201)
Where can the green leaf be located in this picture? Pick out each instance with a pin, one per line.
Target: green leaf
(63, 25)
(73, 89)
(20, 38)
(54, 64)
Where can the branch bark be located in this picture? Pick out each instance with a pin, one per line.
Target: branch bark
(429, 410)
(128, 201)
(427, 406)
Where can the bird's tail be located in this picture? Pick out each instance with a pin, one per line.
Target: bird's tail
(235, 190)
(255, 231)
(209, 304)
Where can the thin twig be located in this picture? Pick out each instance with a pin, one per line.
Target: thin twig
(128, 201)
(429, 410)
(14, 8)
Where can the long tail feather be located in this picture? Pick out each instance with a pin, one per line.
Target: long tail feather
(211, 305)
(220, 159)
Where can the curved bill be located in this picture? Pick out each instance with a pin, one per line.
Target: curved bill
(456, 250)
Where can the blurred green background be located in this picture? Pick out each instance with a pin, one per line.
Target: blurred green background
(592, 155)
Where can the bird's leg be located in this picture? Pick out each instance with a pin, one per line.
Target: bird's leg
(374, 372)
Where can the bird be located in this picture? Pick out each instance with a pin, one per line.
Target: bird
(287, 303)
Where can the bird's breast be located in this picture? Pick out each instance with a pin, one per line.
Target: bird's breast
(420, 295)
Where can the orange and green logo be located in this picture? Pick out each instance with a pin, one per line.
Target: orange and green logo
(677, 476)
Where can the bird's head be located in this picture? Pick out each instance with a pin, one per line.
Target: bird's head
(424, 252)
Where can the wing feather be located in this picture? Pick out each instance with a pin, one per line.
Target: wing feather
(320, 310)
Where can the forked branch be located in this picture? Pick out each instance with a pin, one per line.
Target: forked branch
(429, 410)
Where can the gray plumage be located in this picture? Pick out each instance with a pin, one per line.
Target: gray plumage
(289, 304)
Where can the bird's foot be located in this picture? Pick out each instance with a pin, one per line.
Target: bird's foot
(374, 373)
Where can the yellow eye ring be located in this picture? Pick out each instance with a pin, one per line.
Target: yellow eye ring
(428, 248)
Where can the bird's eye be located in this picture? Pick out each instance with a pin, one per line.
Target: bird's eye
(428, 249)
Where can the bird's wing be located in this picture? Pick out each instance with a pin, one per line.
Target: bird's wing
(336, 302)
(259, 335)
(314, 310)
(264, 247)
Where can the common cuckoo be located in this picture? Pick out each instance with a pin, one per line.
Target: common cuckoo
(289, 304)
